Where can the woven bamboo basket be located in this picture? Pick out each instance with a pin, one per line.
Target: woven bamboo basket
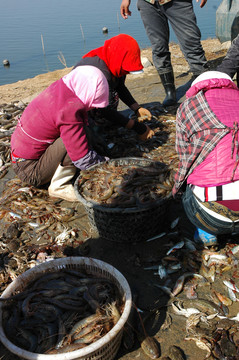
(125, 224)
(102, 349)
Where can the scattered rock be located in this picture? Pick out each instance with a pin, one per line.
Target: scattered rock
(146, 62)
(6, 62)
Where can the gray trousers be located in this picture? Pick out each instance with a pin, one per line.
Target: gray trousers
(40, 172)
(181, 16)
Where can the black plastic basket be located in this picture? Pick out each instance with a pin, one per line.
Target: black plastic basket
(125, 224)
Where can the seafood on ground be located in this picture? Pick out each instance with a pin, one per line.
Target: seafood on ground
(9, 114)
(161, 147)
(61, 311)
(112, 184)
(150, 347)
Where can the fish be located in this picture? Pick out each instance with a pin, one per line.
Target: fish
(206, 306)
(180, 282)
(177, 246)
(157, 237)
(224, 299)
(234, 250)
(174, 223)
(231, 294)
(162, 272)
(165, 289)
(231, 285)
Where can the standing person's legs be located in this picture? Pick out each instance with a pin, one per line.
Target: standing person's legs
(157, 29)
(183, 20)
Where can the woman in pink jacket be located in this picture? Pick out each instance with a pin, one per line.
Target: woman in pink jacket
(49, 142)
(207, 145)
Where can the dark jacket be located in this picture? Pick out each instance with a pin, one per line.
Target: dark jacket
(230, 64)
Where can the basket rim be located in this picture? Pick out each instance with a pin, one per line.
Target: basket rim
(60, 264)
(122, 210)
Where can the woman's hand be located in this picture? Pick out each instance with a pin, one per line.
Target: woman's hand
(143, 114)
(148, 134)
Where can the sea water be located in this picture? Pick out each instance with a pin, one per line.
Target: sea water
(38, 36)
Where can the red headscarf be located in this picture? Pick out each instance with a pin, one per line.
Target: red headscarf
(121, 54)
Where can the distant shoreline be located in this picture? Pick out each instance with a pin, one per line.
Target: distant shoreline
(25, 89)
(143, 49)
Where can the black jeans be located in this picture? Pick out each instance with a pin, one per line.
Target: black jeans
(203, 220)
(181, 16)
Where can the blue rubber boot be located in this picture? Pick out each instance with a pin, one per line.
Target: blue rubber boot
(204, 238)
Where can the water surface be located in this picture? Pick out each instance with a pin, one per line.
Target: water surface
(36, 33)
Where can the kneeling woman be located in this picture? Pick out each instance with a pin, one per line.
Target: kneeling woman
(49, 142)
(207, 126)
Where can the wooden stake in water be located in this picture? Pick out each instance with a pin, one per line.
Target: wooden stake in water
(118, 21)
(62, 59)
(42, 43)
(43, 49)
(82, 32)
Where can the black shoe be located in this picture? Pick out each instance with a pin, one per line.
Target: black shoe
(169, 87)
